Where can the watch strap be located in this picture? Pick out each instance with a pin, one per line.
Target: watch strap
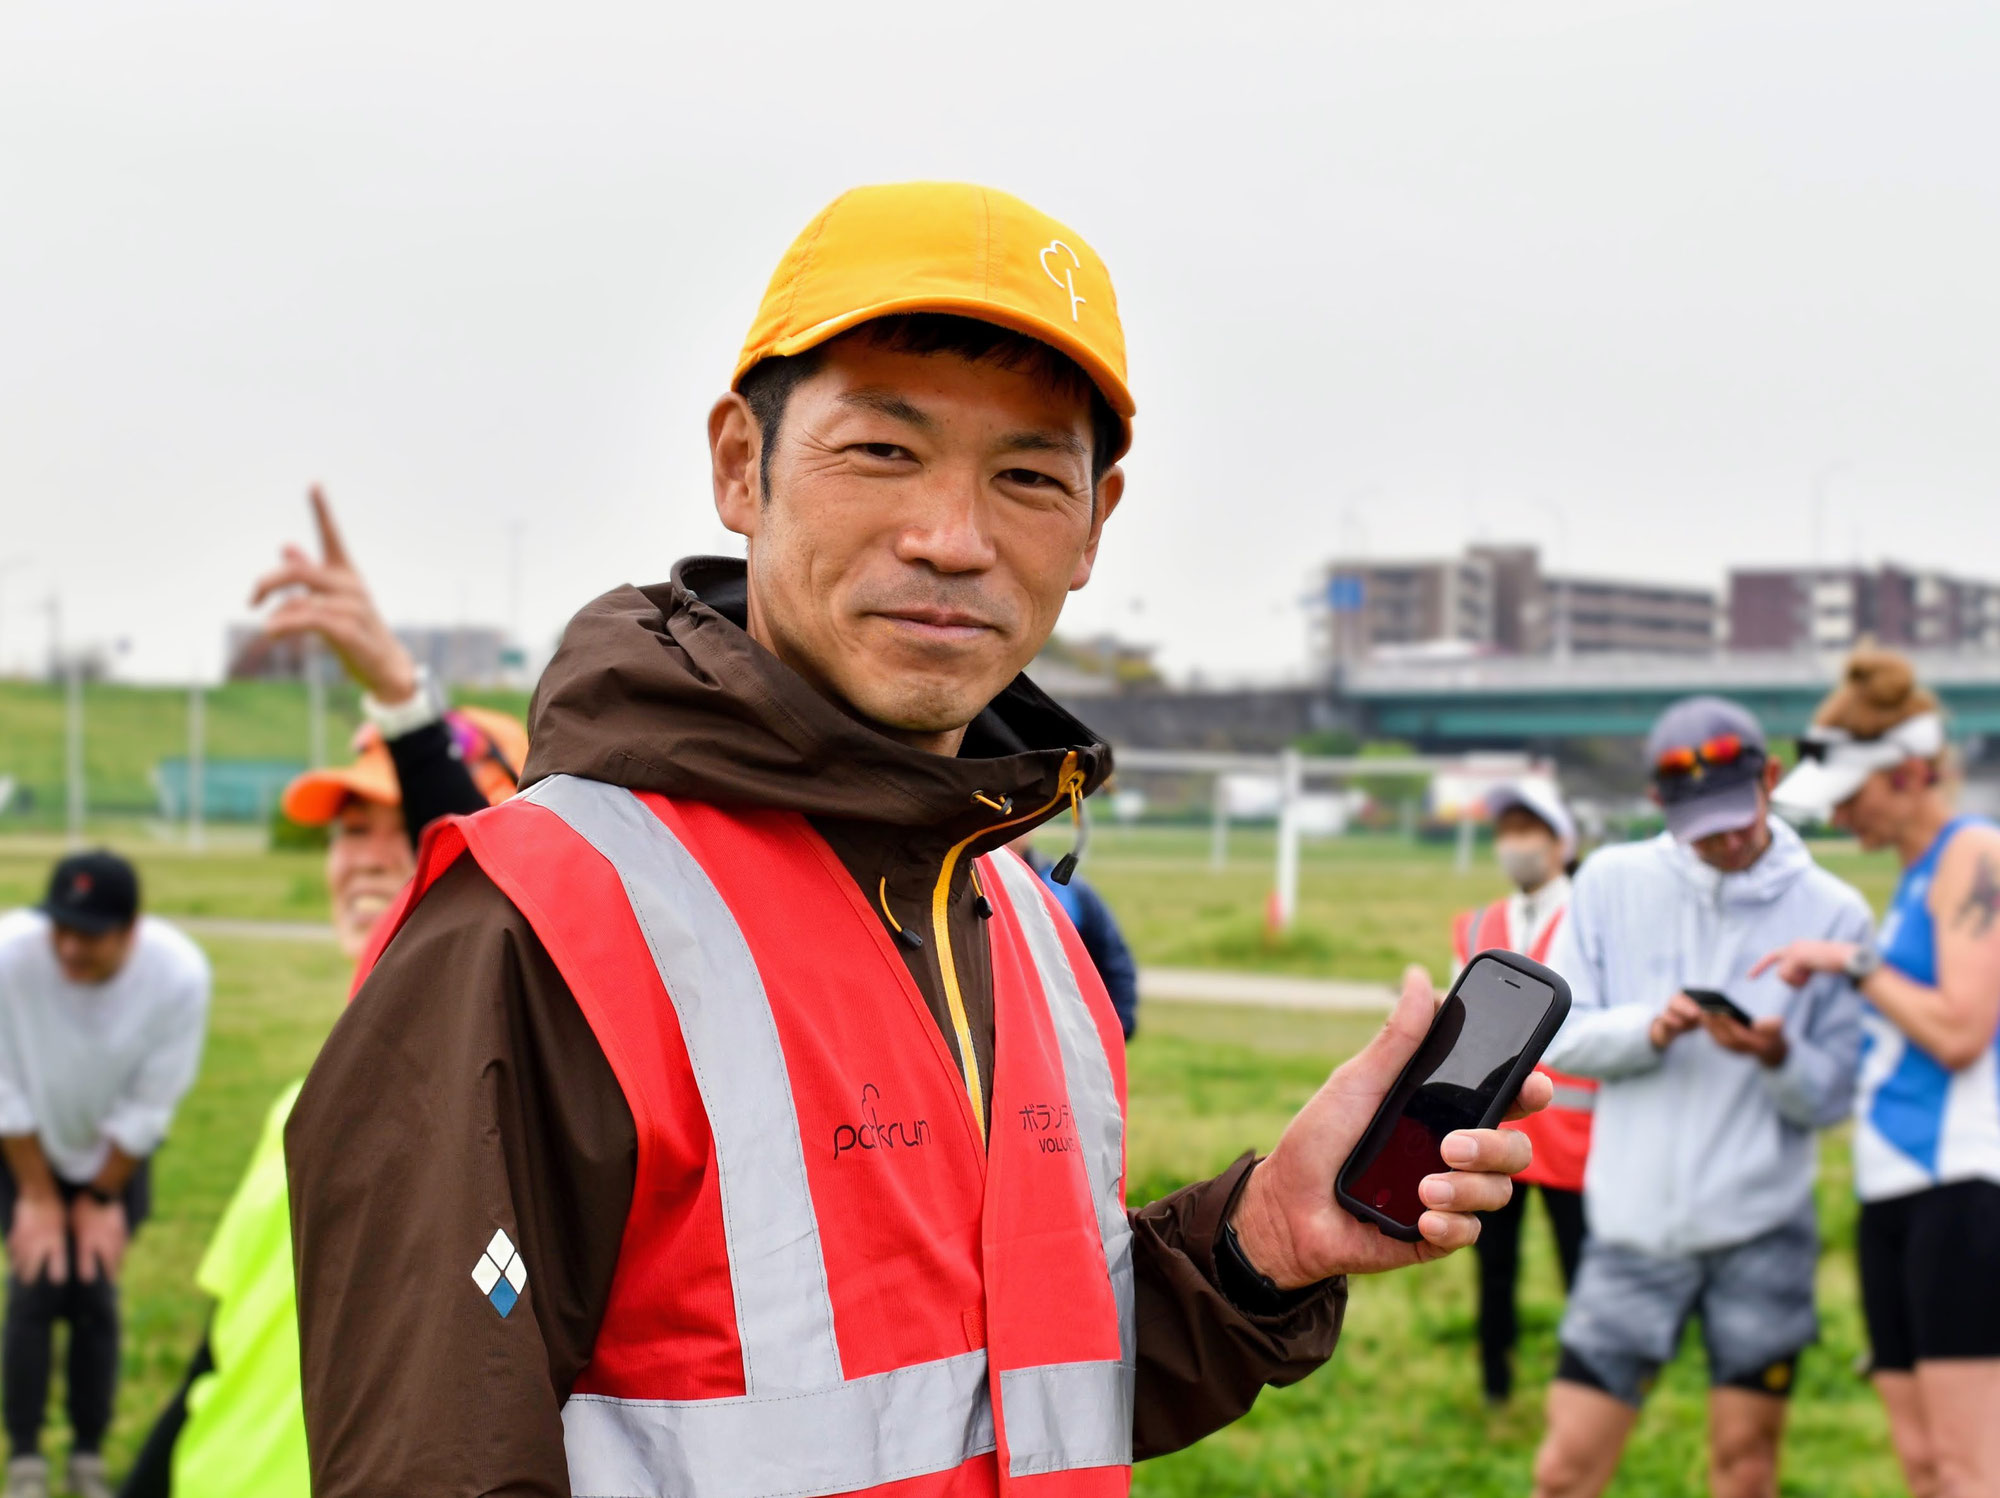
(1864, 964)
(1250, 1292)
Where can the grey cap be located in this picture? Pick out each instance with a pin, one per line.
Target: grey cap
(1716, 798)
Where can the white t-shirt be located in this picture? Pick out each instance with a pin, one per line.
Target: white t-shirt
(85, 1066)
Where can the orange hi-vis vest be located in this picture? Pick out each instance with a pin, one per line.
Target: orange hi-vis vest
(832, 1279)
(1561, 1131)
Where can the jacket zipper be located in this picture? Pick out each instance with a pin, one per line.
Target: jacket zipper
(1069, 785)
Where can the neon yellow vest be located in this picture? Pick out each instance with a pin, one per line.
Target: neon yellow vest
(245, 1433)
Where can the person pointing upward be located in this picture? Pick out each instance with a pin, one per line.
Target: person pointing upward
(730, 1113)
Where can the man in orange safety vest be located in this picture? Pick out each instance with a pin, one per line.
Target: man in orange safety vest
(731, 1114)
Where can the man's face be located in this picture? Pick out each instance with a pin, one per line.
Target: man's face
(367, 866)
(1734, 851)
(926, 518)
(91, 956)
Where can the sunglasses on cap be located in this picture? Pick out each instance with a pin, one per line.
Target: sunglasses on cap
(1691, 761)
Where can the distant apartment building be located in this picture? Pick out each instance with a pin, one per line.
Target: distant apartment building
(1833, 608)
(1497, 600)
(463, 655)
(1594, 616)
(1375, 606)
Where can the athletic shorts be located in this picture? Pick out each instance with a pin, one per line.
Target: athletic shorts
(1755, 1300)
(1930, 1275)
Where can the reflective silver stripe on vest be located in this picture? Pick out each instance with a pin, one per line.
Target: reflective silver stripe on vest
(784, 1315)
(1076, 1414)
(1576, 1099)
(1067, 1415)
(930, 1417)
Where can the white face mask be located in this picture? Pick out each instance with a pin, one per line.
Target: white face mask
(1530, 863)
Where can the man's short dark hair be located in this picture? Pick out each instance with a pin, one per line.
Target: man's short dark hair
(768, 387)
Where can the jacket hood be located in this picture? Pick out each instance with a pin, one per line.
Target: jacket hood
(1784, 863)
(662, 689)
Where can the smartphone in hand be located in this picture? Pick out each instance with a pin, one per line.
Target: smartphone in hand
(1713, 1001)
(1489, 1032)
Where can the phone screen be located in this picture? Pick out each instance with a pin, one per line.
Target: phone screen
(1482, 1030)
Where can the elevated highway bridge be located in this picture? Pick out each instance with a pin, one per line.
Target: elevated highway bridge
(1511, 702)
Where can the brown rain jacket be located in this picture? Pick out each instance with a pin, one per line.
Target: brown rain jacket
(465, 1085)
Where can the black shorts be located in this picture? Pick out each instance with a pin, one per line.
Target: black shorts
(1930, 1275)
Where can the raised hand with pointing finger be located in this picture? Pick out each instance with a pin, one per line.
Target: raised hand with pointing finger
(329, 598)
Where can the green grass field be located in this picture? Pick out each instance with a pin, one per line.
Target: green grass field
(129, 729)
(1396, 1412)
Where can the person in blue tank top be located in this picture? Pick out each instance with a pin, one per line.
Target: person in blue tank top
(1927, 1137)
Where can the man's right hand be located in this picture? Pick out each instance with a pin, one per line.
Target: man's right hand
(1681, 1015)
(38, 1242)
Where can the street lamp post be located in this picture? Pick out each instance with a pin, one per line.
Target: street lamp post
(73, 746)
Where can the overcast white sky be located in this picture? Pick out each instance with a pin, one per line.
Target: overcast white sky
(1621, 278)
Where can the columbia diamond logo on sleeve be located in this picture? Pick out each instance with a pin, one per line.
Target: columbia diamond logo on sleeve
(500, 1274)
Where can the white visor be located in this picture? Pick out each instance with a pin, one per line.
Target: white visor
(1833, 764)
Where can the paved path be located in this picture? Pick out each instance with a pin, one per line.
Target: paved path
(202, 925)
(1164, 985)
(1181, 985)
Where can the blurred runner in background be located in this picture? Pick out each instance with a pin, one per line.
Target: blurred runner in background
(1098, 927)
(1534, 839)
(1699, 1188)
(1927, 1136)
(236, 1429)
(102, 1017)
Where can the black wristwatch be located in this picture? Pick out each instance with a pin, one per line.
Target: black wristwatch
(1246, 1289)
(99, 1195)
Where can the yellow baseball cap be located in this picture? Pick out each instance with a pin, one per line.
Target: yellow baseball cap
(945, 247)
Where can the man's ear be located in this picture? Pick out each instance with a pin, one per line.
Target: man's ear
(1110, 489)
(736, 458)
(1773, 773)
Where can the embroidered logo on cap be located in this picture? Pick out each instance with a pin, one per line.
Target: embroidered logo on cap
(1067, 280)
(500, 1274)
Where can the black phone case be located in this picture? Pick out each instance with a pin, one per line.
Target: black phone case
(1726, 1005)
(1545, 1032)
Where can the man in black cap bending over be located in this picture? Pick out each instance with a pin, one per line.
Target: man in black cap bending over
(102, 1017)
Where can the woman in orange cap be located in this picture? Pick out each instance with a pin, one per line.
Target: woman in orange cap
(236, 1428)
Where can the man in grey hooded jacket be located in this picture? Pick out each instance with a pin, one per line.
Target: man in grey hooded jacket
(1699, 1190)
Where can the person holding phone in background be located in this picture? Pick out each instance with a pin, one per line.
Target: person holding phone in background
(1534, 840)
(1699, 1189)
(1927, 1136)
